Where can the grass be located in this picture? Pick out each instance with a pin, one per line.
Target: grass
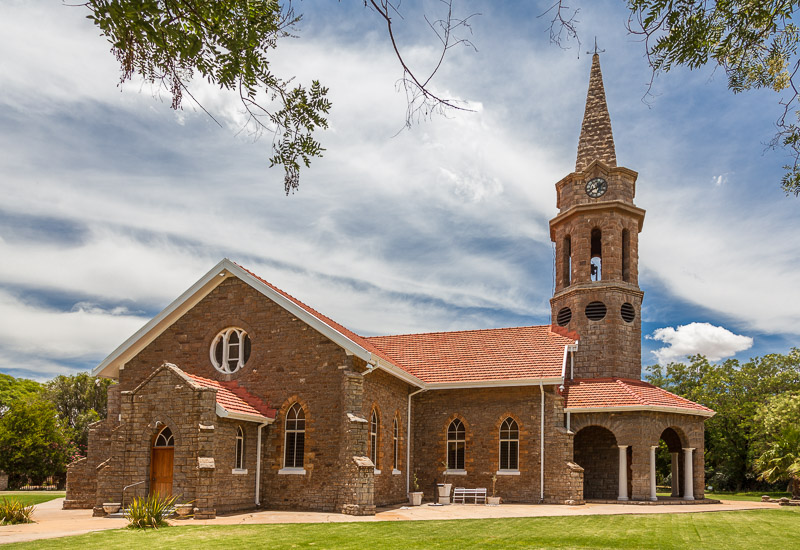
(32, 497)
(748, 495)
(776, 528)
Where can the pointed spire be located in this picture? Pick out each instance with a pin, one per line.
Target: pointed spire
(597, 142)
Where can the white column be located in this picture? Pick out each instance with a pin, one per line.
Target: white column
(676, 476)
(688, 478)
(653, 495)
(623, 472)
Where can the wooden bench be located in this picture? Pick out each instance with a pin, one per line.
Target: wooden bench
(460, 494)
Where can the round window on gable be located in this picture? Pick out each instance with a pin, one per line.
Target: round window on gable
(596, 311)
(627, 312)
(564, 316)
(230, 350)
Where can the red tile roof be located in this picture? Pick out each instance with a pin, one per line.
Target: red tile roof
(234, 398)
(467, 356)
(600, 393)
(478, 355)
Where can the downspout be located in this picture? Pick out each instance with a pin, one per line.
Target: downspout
(258, 465)
(572, 361)
(408, 441)
(541, 447)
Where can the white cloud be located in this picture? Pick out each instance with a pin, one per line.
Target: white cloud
(698, 338)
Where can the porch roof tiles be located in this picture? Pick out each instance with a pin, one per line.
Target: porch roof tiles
(621, 393)
(234, 398)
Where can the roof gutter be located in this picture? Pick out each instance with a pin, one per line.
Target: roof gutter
(640, 408)
(222, 412)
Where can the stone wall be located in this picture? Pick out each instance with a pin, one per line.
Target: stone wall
(235, 489)
(389, 397)
(482, 411)
(641, 430)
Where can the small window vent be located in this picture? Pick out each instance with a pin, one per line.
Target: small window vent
(596, 311)
(627, 312)
(564, 316)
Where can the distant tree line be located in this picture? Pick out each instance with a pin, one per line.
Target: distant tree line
(44, 427)
(753, 442)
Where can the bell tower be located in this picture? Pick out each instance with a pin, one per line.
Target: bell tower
(596, 234)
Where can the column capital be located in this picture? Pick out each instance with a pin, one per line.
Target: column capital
(688, 449)
(622, 446)
(654, 446)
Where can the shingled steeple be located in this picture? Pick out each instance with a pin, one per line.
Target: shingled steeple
(597, 141)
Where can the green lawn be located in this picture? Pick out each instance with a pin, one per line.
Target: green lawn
(32, 497)
(776, 528)
(751, 495)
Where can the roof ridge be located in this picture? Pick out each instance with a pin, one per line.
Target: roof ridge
(455, 331)
(621, 382)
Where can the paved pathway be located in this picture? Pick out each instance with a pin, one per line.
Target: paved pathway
(53, 522)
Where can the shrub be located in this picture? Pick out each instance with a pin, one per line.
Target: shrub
(151, 511)
(13, 511)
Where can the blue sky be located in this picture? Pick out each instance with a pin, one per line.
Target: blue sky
(112, 204)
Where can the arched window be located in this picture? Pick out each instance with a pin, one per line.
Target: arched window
(295, 437)
(395, 446)
(373, 438)
(597, 255)
(239, 460)
(230, 350)
(456, 440)
(509, 445)
(626, 256)
(164, 438)
(566, 258)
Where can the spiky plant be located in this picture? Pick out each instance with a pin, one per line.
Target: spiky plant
(13, 511)
(151, 511)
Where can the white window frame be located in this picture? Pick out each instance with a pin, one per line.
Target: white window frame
(508, 440)
(238, 457)
(453, 468)
(395, 446)
(374, 438)
(224, 338)
(294, 468)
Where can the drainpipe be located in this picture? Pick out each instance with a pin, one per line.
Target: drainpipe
(258, 466)
(541, 447)
(408, 441)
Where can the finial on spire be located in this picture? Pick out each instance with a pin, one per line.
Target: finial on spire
(596, 141)
(596, 51)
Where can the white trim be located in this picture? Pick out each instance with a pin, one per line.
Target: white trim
(456, 472)
(258, 466)
(507, 472)
(396, 472)
(292, 471)
(376, 472)
(552, 380)
(239, 471)
(222, 412)
(640, 408)
(396, 371)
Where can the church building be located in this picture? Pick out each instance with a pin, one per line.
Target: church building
(238, 395)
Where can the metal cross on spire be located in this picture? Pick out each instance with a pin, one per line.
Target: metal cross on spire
(596, 51)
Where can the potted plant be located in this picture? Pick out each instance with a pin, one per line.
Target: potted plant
(444, 488)
(493, 500)
(415, 497)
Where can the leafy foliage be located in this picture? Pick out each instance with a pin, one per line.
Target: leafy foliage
(778, 422)
(227, 43)
(13, 512)
(151, 511)
(12, 389)
(80, 399)
(736, 392)
(34, 442)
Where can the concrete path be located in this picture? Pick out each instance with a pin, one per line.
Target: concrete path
(54, 522)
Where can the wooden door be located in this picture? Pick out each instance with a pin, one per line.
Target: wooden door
(161, 471)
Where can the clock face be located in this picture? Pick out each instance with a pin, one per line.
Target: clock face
(596, 187)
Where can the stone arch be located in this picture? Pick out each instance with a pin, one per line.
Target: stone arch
(670, 460)
(596, 450)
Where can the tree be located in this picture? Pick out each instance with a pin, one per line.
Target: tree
(79, 400)
(34, 442)
(12, 389)
(779, 428)
(228, 43)
(754, 41)
(735, 391)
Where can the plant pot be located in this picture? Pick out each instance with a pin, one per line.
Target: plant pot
(111, 507)
(415, 499)
(184, 510)
(444, 492)
(493, 501)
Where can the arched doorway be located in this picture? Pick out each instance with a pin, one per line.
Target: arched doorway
(161, 457)
(669, 463)
(595, 449)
